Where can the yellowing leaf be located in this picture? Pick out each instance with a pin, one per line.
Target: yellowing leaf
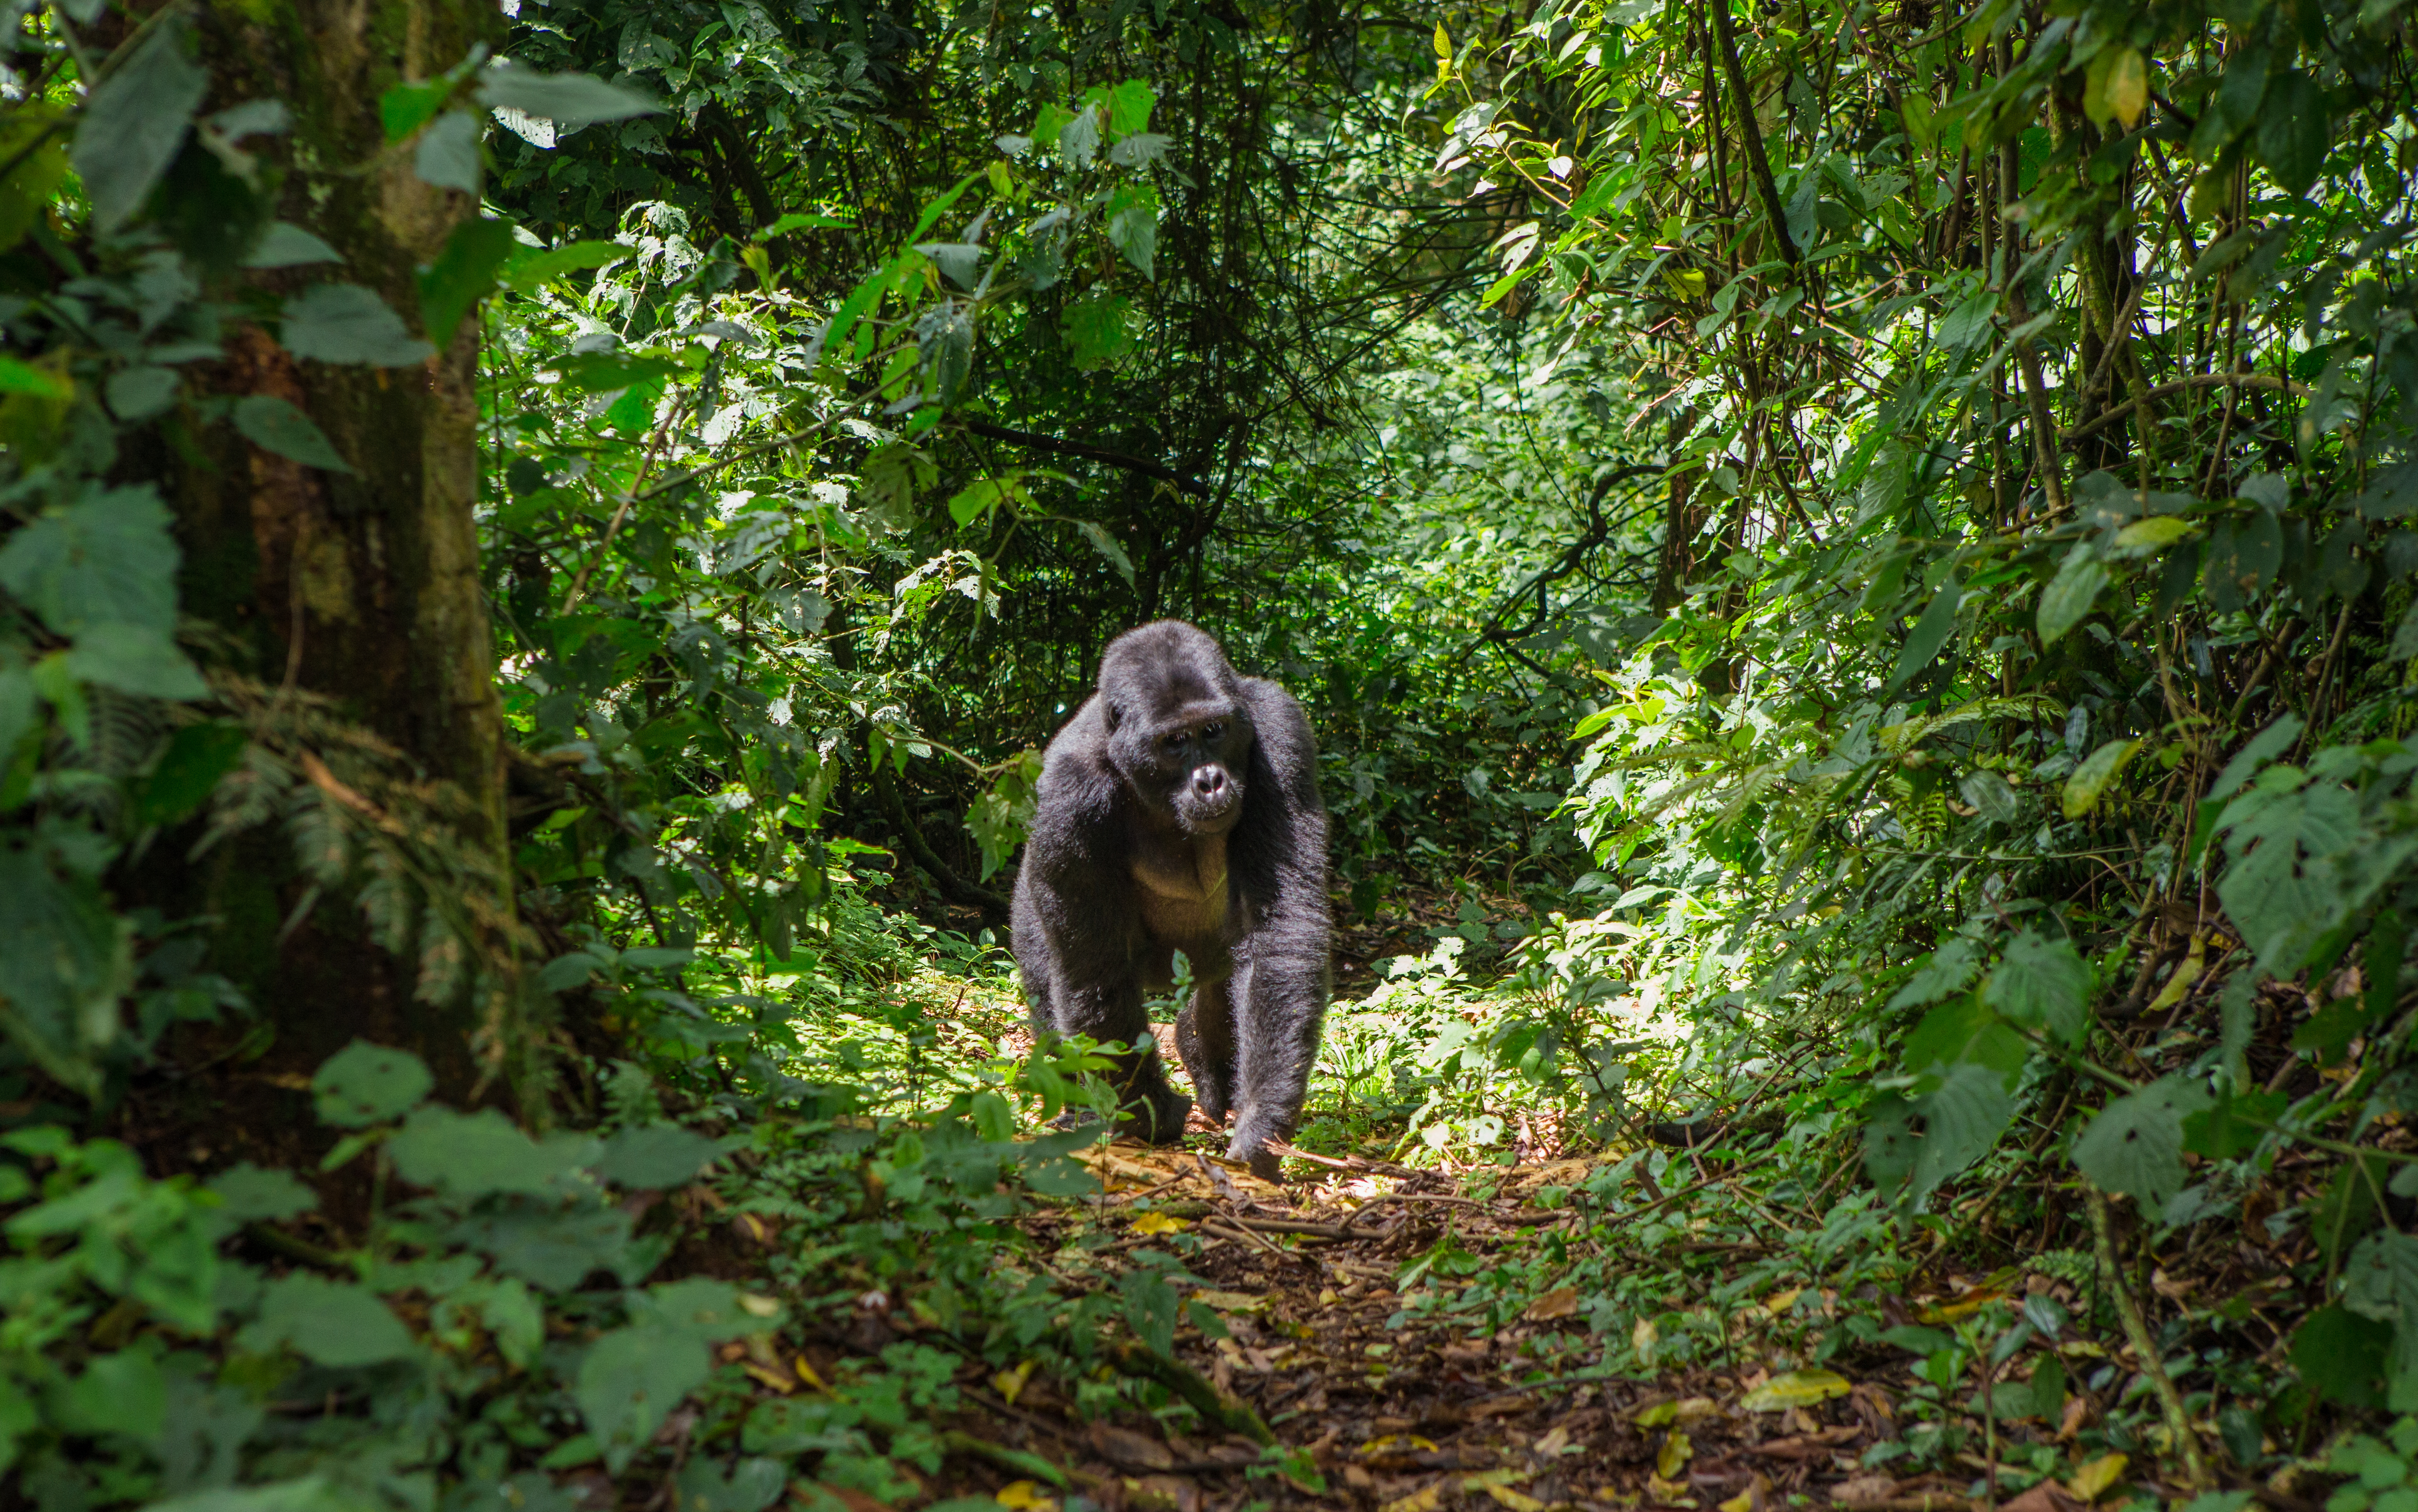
(1660, 1492)
(1796, 1388)
(1023, 1496)
(1643, 1338)
(2155, 533)
(1397, 1441)
(2186, 974)
(1159, 1223)
(1687, 283)
(1009, 1383)
(2091, 778)
(1231, 1301)
(1674, 1455)
(1658, 1415)
(2128, 86)
(1426, 1498)
(1779, 1302)
(1742, 1502)
(2092, 1481)
(1486, 1479)
(757, 1306)
(1516, 1501)
(1559, 1303)
(1443, 41)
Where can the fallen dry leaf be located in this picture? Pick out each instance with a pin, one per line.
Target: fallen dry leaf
(1561, 1301)
(1863, 1490)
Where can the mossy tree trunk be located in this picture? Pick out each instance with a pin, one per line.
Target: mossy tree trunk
(360, 589)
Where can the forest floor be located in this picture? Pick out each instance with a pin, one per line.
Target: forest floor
(1376, 1409)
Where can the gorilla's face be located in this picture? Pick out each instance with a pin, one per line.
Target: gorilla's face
(1199, 765)
(1178, 733)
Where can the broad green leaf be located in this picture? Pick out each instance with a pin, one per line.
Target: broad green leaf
(2091, 779)
(2256, 752)
(1968, 325)
(1129, 105)
(1930, 632)
(246, 1193)
(139, 392)
(530, 268)
(570, 101)
(188, 771)
(123, 1390)
(469, 1154)
(364, 1084)
(2042, 983)
(135, 659)
(656, 1155)
(1990, 793)
(551, 1246)
(749, 1485)
(135, 119)
(2135, 1146)
(328, 1322)
(462, 274)
(630, 1381)
(347, 324)
(1098, 330)
(273, 424)
(1150, 1309)
(405, 107)
(1961, 1118)
(2070, 595)
(2341, 1357)
(285, 245)
(448, 153)
(1946, 970)
(32, 139)
(1961, 1031)
(2294, 130)
(106, 559)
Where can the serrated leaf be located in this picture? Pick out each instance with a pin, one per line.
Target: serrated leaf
(135, 121)
(2091, 779)
(273, 424)
(2042, 983)
(2135, 1146)
(346, 323)
(2070, 595)
(107, 558)
(1962, 1119)
(135, 659)
(469, 1154)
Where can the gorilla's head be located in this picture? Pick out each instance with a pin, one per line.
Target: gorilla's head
(1178, 732)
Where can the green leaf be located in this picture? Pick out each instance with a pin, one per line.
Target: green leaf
(469, 1154)
(404, 108)
(308, 1494)
(1989, 792)
(107, 558)
(656, 1155)
(553, 1247)
(1890, 1142)
(570, 101)
(1129, 105)
(247, 1193)
(531, 268)
(135, 121)
(17, 714)
(2091, 779)
(448, 153)
(1964, 1030)
(749, 1485)
(2042, 983)
(2256, 752)
(327, 1322)
(2135, 1146)
(135, 659)
(2341, 1357)
(273, 424)
(285, 245)
(2154, 534)
(70, 960)
(1098, 330)
(1150, 1309)
(462, 274)
(1968, 323)
(1961, 1118)
(2070, 595)
(140, 392)
(2294, 130)
(346, 323)
(19, 377)
(187, 773)
(1107, 546)
(1133, 229)
(1930, 632)
(364, 1084)
(631, 1379)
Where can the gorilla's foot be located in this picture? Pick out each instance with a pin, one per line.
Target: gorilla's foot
(1157, 1118)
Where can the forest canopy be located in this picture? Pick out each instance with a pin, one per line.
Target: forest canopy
(1851, 569)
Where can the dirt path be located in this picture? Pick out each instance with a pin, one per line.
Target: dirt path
(1385, 1410)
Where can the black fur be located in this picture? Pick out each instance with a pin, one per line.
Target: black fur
(1175, 766)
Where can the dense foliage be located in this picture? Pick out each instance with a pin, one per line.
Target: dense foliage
(1852, 570)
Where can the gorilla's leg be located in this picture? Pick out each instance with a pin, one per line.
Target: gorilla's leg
(1147, 1105)
(1277, 1031)
(1204, 1035)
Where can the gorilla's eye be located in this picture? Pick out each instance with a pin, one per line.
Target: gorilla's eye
(1210, 732)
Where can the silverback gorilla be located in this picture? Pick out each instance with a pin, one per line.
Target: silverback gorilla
(1179, 810)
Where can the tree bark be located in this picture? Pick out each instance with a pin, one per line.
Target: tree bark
(364, 588)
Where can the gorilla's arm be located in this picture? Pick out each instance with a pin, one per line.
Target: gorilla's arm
(1078, 932)
(1282, 978)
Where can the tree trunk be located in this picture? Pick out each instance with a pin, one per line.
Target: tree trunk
(363, 589)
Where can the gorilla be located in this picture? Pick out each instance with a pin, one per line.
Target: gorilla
(1179, 810)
